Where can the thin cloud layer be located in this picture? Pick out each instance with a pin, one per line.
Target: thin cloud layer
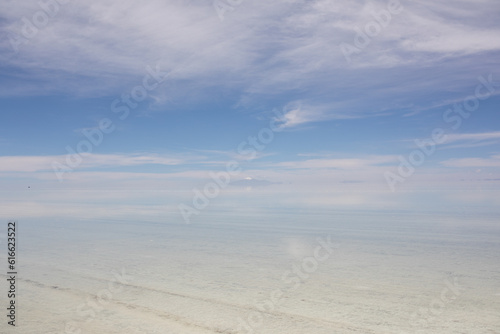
(102, 47)
(493, 161)
(44, 163)
(473, 136)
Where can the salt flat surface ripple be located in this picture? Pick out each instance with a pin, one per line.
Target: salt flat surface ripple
(123, 277)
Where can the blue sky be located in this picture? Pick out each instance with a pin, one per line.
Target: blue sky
(199, 82)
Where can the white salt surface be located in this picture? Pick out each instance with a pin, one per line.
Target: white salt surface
(123, 277)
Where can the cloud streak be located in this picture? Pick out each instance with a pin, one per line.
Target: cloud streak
(492, 161)
(344, 164)
(44, 163)
(472, 136)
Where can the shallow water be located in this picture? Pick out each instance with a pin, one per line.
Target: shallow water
(378, 274)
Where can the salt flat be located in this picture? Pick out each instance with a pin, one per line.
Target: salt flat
(383, 275)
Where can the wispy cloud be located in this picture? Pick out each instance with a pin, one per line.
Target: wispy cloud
(472, 136)
(345, 164)
(97, 48)
(301, 112)
(492, 161)
(44, 163)
(468, 140)
(297, 113)
(221, 157)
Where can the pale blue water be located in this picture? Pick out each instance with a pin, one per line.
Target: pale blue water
(385, 274)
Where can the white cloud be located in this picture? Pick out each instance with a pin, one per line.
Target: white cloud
(468, 140)
(493, 161)
(348, 164)
(295, 113)
(261, 49)
(472, 136)
(221, 157)
(43, 163)
(298, 113)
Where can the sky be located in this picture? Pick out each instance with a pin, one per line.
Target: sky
(127, 110)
